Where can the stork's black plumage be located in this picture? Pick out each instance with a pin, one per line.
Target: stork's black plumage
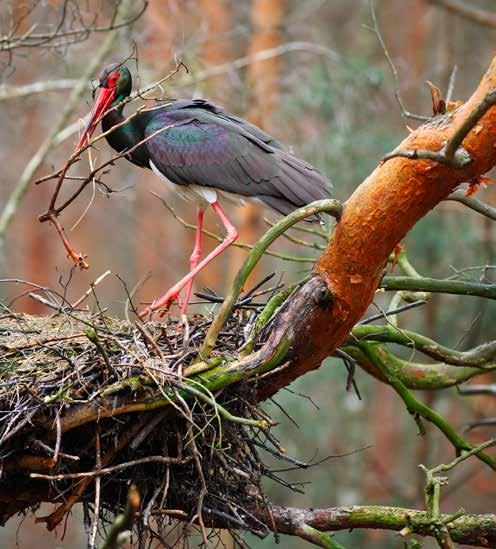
(208, 147)
(206, 153)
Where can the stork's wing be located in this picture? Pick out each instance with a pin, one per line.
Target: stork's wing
(206, 109)
(200, 147)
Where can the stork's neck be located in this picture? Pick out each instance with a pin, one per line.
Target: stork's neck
(126, 136)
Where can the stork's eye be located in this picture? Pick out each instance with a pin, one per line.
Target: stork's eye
(112, 79)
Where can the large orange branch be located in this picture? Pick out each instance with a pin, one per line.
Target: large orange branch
(376, 218)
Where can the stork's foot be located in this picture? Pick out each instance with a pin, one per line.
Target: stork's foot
(163, 304)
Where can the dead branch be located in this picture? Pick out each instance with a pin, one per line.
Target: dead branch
(474, 204)
(65, 31)
(22, 185)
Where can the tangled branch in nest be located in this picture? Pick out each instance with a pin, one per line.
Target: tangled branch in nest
(78, 399)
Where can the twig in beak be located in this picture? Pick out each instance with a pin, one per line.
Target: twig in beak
(78, 258)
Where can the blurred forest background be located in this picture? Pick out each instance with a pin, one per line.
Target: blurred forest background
(325, 90)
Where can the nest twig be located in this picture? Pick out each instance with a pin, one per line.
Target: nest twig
(196, 460)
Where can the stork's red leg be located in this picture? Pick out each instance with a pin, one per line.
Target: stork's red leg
(194, 259)
(232, 234)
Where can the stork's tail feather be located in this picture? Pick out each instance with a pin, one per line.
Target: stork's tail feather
(298, 183)
(284, 207)
(307, 183)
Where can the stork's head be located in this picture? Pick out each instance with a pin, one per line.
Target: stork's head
(115, 85)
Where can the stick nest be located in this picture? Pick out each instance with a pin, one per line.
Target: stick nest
(79, 423)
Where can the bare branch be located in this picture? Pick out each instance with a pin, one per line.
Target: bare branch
(14, 92)
(466, 10)
(452, 154)
(474, 204)
(38, 158)
(63, 34)
(394, 71)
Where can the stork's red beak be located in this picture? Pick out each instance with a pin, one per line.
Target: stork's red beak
(104, 99)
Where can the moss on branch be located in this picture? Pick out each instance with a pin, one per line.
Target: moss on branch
(482, 356)
(418, 409)
(423, 284)
(476, 530)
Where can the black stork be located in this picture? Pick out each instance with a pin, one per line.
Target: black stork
(206, 155)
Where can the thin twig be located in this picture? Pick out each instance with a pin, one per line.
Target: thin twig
(397, 93)
(474, 204)
(22, 185)
(452, 154)
(96, 511)
(331, 207)
(241, 245)
(114, 469)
